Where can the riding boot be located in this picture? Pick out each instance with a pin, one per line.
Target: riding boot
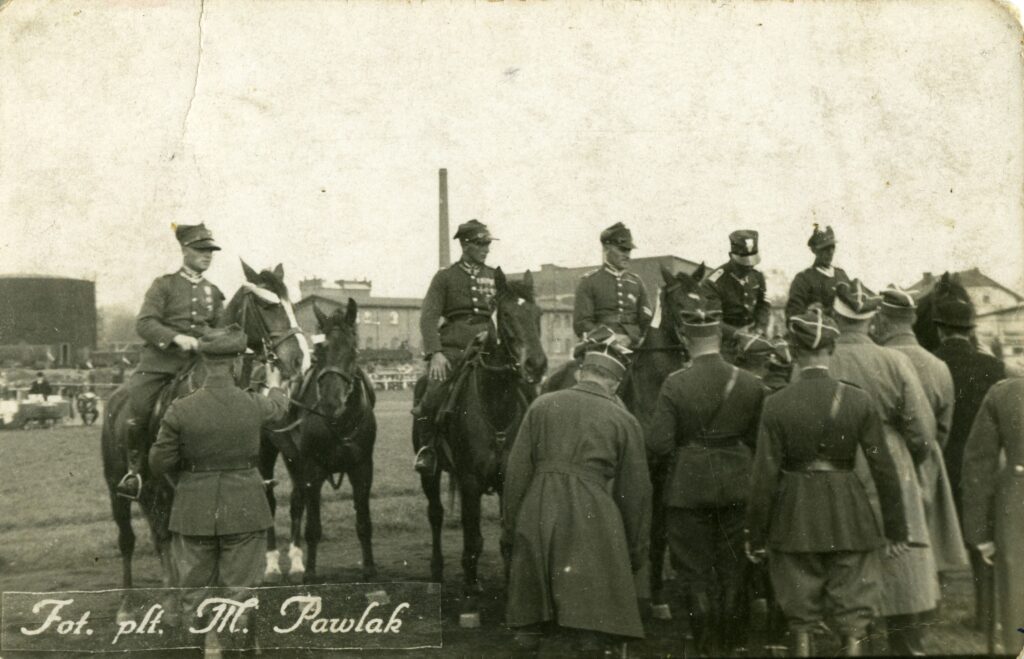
(801, 644)
(904, 635)
(130, 486)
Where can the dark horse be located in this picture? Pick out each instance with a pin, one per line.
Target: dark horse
(333, 436)
(948, 287)
(661, 352)
(266, 316)
(499, 379)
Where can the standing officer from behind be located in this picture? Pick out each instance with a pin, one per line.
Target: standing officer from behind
(817, 283)
(456, 309)
(210, 439)
(612, 296)
(974, 373)
(808, 507)
(739, 290)
(178, 309)
(708, 415)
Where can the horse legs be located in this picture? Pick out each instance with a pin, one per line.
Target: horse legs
(659, 543)
(314, 530)
(268, 458)
(122, 509)
(297, 505)
(472, 546)
(435, 513)
(362, 480)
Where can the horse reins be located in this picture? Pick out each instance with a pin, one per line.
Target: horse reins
(269, 340)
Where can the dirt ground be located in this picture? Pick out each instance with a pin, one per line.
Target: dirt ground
(56, 534)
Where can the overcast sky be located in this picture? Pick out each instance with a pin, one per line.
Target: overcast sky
(310, 133)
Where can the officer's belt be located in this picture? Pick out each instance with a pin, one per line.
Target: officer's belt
(716, 440)
(819, 464)
(572, 469)
(250, 463)
(471, 316)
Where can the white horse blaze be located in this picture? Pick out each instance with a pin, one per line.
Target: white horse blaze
(295, 554)
(307, 359)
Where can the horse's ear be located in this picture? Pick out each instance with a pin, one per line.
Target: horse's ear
(250, 274)
(528, 280)
(279, 272)
(701, 270)
(500, 283)
(667, 275)
(351, 312)
(321, 317)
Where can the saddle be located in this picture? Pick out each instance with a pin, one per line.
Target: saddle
(167, 395)
(456, 383)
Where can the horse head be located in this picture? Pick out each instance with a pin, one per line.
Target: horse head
(948, 287)
(517, 322)
(264, 311)
(679, 293)
(338, 371)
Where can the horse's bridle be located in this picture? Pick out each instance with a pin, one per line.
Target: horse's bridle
(676, 333)
(505, 343)
(269, 340)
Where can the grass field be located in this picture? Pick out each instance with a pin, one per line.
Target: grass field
(56, 534)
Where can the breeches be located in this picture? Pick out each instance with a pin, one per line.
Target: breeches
(228, 561)
(842, 587)
(707, 554)
(143, 391)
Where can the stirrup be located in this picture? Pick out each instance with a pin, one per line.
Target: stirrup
(117, 488)
(416, 460)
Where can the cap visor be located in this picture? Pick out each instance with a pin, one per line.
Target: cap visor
(846, 311)
(204, 244)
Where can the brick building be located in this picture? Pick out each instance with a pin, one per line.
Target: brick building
(388, 323)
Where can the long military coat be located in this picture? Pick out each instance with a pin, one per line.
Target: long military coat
(212, 438)
(910, 582)
(577, 509)
(936, 488)
(993, 497)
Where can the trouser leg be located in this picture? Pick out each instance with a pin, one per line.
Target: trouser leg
(798, 580)
(905, 635)
(984, 584)
(240, 569)
(195, 561)
(731, 565)
(853, 591)
(691, 540)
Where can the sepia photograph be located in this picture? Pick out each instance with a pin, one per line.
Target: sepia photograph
(468, 328)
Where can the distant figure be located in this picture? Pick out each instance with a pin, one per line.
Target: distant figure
(577, 511)
(41, 387)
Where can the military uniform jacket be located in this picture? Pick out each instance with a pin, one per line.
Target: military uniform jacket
(792, 510)
(457, 307)
(973, 374)
(813, 285)
(212, 437)
(175, 305)
(712, 466)
(577, 511)
(743, 299)
(618, 301)
(993, 495)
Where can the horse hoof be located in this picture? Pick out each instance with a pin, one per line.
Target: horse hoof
(273, 578)
(297, 577)
(469, 620)
(661, 612)
(369, 573)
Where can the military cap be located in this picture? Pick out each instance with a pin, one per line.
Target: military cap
(954, 313)
(899, 303)
(700, 316)
(821, 238)
(618, 235)
(752, 345)
(855, 301)
(813, 329)
(196, 236)
(743, 247)
(610, 356)
(473, 230)
(223, 343)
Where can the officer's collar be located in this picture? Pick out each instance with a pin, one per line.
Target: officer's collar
(814, 372)
(613, 271)
(218, 380)
(828, 272)
(190, 275)
(469, 268)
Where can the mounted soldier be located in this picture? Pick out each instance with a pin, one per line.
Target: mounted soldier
(739, 290)
(818, 282)
(178, 309)
(455, 311)
(612, 296)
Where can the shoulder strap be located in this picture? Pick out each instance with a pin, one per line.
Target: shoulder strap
(733, 377)
(833, 414)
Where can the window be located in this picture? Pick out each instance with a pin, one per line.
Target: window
(369, 343)
(368, 317)
(986, 299)
(393, 317)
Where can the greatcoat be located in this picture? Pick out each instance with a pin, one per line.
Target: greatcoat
(577, 509)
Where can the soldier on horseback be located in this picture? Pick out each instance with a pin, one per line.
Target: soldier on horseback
(740, 291)
(612, 296)
(817, 283)
(178, 309)
(455, 311)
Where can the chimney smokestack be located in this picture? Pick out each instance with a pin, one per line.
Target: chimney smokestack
(444, 244)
